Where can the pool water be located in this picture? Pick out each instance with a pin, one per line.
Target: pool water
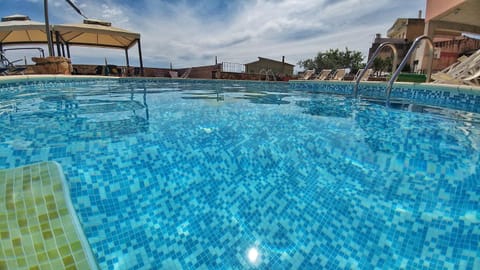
(228, 175)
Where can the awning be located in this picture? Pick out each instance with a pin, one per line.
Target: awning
(19, 29)
(96, 33)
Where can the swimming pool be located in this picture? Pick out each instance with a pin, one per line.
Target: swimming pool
(188, 174)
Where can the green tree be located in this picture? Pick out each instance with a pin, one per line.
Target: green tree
(382, 64)
(334, 59)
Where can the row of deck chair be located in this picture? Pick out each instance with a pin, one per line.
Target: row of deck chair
(174, 74)
(9, 67)
(465, 71)
(338, 75)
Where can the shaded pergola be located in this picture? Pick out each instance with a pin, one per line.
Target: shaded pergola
(20, 30)
(96, 33)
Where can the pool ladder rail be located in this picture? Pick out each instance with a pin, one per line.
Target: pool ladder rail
(372, 59)
(266, 71)
(404, 61)
(396, 71)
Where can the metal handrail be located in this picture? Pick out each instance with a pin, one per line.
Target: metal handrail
(266, 74)
(404, 61)
(273, 74)
(370, 63)
(42, 53)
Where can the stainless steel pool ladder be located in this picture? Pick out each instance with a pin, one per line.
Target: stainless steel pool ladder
(370, 63)
(266, 74)
(404, 61)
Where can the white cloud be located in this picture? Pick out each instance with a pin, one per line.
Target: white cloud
(190, 33)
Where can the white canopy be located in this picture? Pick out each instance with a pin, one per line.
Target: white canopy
(96, 33)
(19, 29)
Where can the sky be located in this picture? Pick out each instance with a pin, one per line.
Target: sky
(189, 33)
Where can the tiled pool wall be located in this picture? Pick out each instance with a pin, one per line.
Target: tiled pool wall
(18, 83)
(465, 98)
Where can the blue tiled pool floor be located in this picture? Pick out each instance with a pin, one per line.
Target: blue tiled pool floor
(225, 176)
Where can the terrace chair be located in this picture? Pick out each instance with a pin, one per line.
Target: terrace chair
(323, 75)
(460, 60)
(173, 74)
(464, 71)
(186, 73)
(308, 74)
(8, 67)
(365, 76)
(3, 70)
(339, 74)
(472, 79)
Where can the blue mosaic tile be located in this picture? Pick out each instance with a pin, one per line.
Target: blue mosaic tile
(200, 174)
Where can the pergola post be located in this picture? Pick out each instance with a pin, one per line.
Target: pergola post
(47, 28)
(140, 57)
(68, 50)
(57, 41)
(127, 69)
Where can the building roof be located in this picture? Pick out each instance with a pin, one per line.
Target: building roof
(391, 40)
(402, 22)
(263, 59)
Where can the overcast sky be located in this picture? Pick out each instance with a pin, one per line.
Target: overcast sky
(192, 32)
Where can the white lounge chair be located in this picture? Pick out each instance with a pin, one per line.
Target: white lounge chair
(186, 73)
(323, 74)
(173, 74)
(9, 67)
(365, 76)
(307, 75)
(339, 74)
(464, 71)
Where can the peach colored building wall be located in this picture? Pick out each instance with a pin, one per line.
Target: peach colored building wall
(437, 7)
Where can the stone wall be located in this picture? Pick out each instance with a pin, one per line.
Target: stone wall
(202, 72)
(52, 65)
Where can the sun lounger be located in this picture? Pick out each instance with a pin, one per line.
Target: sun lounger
(9, 67)
(339, 74)
(365, 76)
(474, 79)
(323, 74)
(308, 74)
(2, 70)
(464, 71)
(186, 73)
(173, 74)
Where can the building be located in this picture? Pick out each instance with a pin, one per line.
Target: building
(265, 64)
(402, 34)
(407, 28)
(446, 22)
(448, 49)
(401, 45)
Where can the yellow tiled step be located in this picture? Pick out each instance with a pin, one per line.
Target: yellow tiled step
(38, 225)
